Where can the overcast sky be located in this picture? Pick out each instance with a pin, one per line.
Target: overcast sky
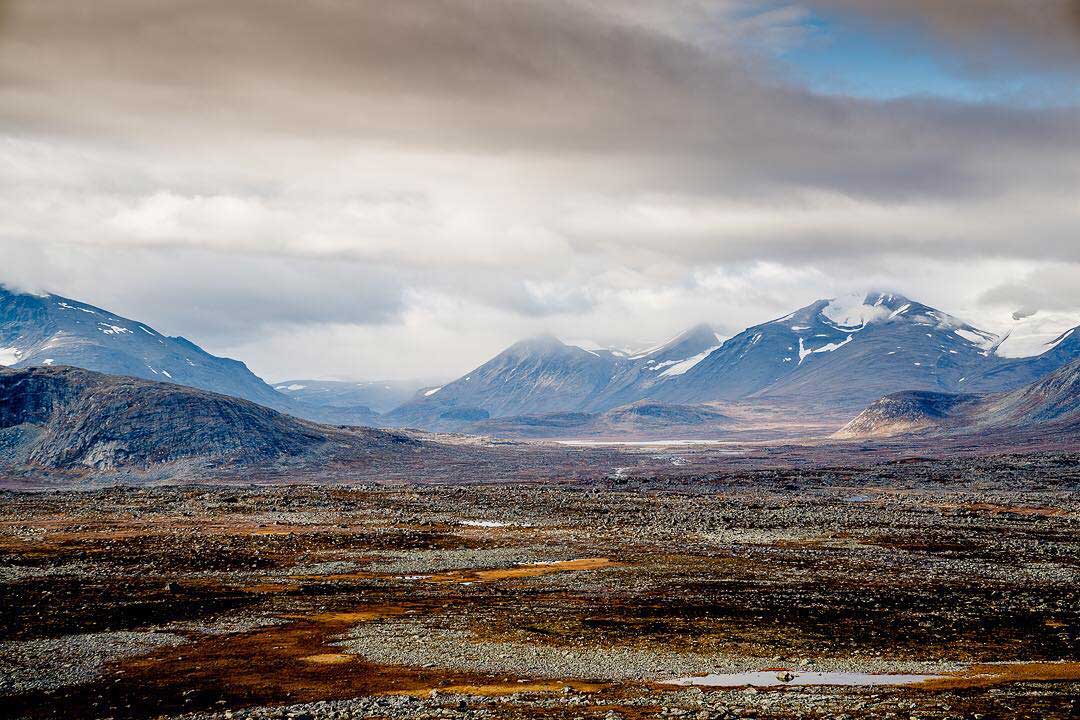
(388, 189)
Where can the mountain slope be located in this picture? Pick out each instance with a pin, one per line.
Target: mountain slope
(52, 330)
(1053, 398)
(66, 417)
(1053, 401)
(635, 375)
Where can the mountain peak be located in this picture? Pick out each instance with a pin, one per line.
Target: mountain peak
(857, 310)
(539, 343)
(887, 298)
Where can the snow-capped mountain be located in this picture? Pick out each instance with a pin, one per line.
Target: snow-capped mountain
(539, 375)
(53, 330)
(835, 354)
(546, 375)
(842, 352)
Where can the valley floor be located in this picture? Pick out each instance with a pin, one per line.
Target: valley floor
(576, 601)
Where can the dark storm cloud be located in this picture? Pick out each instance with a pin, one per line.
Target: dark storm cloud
(664, 107)
(441, 177)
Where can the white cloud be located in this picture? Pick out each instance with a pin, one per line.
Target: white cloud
(410, 200)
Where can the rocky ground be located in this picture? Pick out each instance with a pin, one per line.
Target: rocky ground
(567, 601)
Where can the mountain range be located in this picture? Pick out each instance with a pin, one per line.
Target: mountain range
(829, 359)
(833, 356)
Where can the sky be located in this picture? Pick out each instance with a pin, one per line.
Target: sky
(360, 190)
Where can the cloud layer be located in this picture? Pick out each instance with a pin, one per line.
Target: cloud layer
(434, 179)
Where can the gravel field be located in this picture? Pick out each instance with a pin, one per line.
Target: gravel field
(569, 601)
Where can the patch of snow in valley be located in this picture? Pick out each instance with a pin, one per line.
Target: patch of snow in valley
(432, 391)
(290, 388)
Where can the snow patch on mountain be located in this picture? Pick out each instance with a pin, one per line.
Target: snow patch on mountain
(1034, 334)
(981, 339)
(805, 352)
(66, 306)
(683, 366)
(853, 311)
(9, 356)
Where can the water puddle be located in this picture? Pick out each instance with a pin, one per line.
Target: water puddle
(777, 678)
(484, 523)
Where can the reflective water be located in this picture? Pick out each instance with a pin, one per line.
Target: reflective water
(773, 678)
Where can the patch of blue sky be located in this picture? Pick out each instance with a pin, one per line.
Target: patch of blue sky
(844, 57)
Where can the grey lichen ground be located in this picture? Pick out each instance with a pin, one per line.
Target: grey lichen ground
(440, 602)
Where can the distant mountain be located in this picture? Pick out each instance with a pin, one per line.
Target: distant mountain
(841, 354)
(642, 420)
(377, 396)
(637, 376)
(544, 375)
(831, 356)
(1051, 402)
(540, 375)
(44, 330)
(68, 418)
